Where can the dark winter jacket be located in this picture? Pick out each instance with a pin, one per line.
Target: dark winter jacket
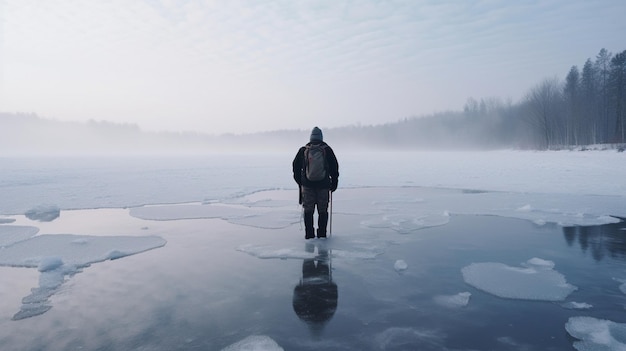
(333, 170)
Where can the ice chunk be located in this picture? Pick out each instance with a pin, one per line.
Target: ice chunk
(49, 263)
(266, 252)
(44, 213)
(6, 220)
(10, 234)
(535, 280)
(400, 265)
(405, 223)
(573, 305)
(453, 301)
(255, 343)
(596, 334)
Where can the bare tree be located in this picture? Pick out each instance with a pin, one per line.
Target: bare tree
(545, 104)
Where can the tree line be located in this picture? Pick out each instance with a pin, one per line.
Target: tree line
(588, 107)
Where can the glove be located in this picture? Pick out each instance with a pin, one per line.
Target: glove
(333, 185)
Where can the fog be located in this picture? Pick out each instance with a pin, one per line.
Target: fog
(30, 135)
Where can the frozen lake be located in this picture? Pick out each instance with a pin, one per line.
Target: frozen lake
(431, 254)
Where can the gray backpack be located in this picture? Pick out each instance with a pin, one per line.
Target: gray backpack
(315, 164)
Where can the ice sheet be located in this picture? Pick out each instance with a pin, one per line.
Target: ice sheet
(569, 188)
(534, 280)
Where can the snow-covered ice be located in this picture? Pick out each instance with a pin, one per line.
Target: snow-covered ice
(534, 280)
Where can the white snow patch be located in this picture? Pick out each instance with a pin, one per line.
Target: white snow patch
(535, 280)
(400, 265)
(255, 343)
(596, 334)
(453, 301)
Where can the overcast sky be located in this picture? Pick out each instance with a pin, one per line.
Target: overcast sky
(243, 66)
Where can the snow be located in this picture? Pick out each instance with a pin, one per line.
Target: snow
(596, 334)
(535, 280)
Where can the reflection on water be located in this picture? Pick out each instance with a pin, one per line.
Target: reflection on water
(315, 297)
(599, 240)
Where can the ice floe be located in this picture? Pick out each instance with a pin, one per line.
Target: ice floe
(596, 334)
(59, 256)
(270, 217)
(534, 280)
(273, 252)
(10, 234)
(255, 343)
(453, 301)
(573, 305)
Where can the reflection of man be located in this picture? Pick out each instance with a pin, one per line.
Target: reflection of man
(315, 298)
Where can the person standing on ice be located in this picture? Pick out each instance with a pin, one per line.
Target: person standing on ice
(316, 171)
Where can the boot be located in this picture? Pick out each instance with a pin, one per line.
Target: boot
(322, 221)
(308, 225)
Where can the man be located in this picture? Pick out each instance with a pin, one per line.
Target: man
(316, 171)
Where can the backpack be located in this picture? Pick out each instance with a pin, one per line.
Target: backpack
(315, 164)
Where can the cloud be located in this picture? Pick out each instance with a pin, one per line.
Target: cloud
(213, 64)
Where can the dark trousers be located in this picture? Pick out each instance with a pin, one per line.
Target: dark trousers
(312, 198)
